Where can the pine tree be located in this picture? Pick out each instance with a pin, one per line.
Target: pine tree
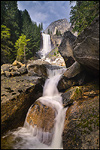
(5, 44)
(83, 13)
(20, 45)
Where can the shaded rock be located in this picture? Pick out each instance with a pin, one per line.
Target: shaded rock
(22, 70)
(70, 95)
(74, 75)
(15, 73)
(17, 95)
(81, 130)
(73, 70)
(41, 117)
(66, 49)
(81, 127)
(86, 47)
(13, 68)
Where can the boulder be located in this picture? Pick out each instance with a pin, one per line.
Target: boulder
(17, 95)
(37, 67)
(74, 75)
(66, 49)
(41, 117)
(81, 127)
(5, 67)
(86, 47)
(73, 70)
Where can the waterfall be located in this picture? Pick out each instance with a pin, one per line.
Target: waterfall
(29, 137)
(46, 46)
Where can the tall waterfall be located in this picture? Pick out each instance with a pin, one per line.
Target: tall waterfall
(27, 137)
(46, 45)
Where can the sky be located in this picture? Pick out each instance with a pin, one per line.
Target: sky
(46, 12)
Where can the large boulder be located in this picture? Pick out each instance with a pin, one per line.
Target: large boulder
(86, 47)
(74, 75)
(41, 117)
(81, 127)
(65, 48)
(17, 95)
(37, 67)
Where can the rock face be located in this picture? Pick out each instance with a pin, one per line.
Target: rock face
(17, 95)
(66, 49)
(86, 47)
(61, 25)
(56, 40)
(41, 117)
(55, 58)
(81, 128)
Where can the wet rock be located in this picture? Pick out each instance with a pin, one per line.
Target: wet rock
(42, 117)
(86, 48)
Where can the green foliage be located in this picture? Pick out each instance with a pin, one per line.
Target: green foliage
(18, 22)
(20, 45)
(5, 44)
(83, 13)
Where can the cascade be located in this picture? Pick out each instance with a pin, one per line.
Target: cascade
(29, 137)
(46, 46)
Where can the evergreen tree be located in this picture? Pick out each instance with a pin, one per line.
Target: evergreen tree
(5, 44)
(83, 13)
(20, 45)
(19, 22)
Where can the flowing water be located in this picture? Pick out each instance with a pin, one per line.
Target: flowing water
(46, 46)
(29, 137)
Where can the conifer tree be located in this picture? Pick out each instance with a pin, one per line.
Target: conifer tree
(83, 13)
